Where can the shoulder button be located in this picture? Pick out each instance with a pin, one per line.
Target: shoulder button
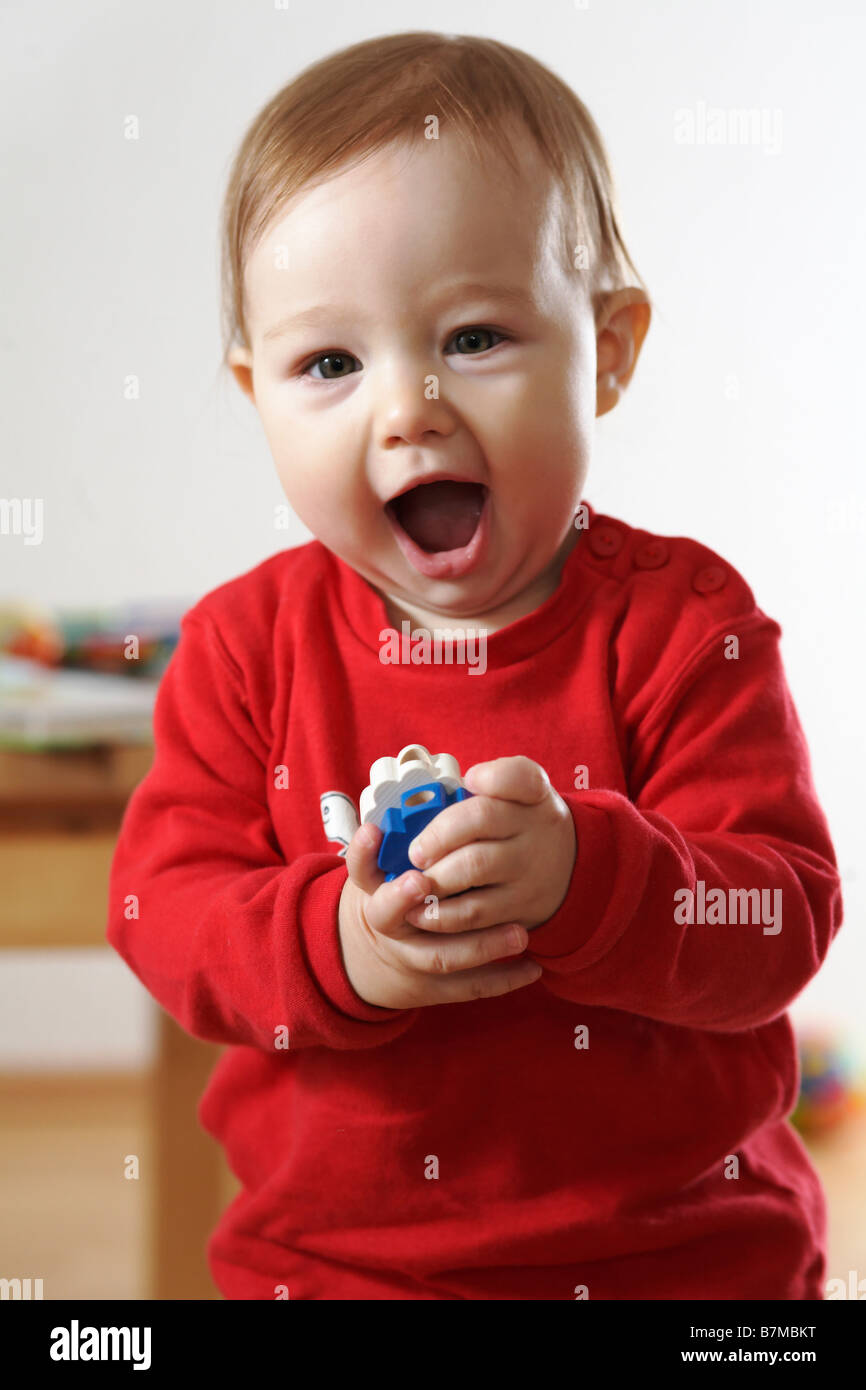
(652, 555)
(708, 579)
(604, 540)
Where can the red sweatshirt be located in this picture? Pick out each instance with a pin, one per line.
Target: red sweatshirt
(615, 1130)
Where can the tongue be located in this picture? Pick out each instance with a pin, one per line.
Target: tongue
(442, 515)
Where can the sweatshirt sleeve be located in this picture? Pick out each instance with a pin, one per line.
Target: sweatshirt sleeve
(236, 944)
(721, 793)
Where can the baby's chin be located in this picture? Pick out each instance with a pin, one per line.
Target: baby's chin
(488, 599)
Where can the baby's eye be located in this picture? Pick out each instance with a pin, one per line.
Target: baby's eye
(477, 340)
(332, 366)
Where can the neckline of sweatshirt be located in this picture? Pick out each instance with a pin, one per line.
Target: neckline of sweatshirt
(363, 608)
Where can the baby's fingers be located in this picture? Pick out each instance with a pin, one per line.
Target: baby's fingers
(386, 909)
(362, 858)
(486, 981)
(466, 951)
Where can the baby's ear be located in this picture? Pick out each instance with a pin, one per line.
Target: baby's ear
(621, 326)
(240, 359)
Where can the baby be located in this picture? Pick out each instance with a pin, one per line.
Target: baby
(553, 1060)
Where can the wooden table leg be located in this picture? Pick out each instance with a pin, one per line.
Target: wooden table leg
(188, 1184)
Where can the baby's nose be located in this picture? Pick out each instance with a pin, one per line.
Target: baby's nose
(410, 407)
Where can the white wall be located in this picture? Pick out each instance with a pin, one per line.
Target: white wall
(740, 429)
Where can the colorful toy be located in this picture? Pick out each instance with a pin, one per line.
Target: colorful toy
(404, 795)
(830, 1089)
(31, 633)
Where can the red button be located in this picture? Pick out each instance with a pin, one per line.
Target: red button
(604, 540)
(707, 580)
(652, 555)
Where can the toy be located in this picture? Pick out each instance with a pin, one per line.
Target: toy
(829, 1092)
(339, 818)
(404, 795)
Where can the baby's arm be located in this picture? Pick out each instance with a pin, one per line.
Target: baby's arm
(235, 943)
(723, 794)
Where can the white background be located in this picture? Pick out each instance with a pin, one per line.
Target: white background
(742, 427)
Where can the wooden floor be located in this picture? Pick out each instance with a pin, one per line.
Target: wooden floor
(70, 1217)
(68, 1213)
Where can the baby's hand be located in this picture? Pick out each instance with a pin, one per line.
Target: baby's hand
(512, 845)
(391, 963)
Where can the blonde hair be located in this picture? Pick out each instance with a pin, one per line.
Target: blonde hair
(360, 99)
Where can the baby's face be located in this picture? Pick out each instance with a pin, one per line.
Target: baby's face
(385, 349)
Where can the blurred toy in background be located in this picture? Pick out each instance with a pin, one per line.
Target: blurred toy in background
(98, 643)
(831, 1082)
(31, 633)
(133, 641)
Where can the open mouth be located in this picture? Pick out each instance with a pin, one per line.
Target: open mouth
(440, 516)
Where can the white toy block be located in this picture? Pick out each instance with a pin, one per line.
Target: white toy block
(390, 778)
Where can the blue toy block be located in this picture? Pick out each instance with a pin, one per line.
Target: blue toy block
(401, 824)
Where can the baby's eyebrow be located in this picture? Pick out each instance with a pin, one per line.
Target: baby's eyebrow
(480, 289)
(311, 318)
(304, 318)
